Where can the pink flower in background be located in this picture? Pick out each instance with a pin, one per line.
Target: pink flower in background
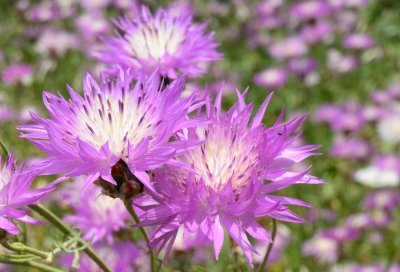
(341, 63)
(55, 43)
(358, 41)
(324, 249)
(311, 9)
(350, 148)
(288, 48)
(168, 41)
(271, 78)
(15, 194)
(96, 215)
(17, 73)
(226, 191)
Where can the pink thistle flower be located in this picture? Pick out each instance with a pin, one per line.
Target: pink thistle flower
(169, 41)
(226, 188)
(116, 123)
(16, 194)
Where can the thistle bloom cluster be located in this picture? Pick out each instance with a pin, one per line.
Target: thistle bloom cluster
(15, 194)
(205, 171)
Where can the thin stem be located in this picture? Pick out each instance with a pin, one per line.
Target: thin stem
(21, 248)
(129, 208)
(58, 223)
(264, 262)
(33, 264)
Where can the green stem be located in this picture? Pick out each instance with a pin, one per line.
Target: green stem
(21, 248)
(264, 262)
(58, 223)
(129, 208)
(33, 264)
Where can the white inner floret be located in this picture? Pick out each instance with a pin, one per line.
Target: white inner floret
(116, 121)
(156, 40)
(226, 156)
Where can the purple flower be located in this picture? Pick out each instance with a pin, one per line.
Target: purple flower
(311, 9)
(382, 199)
(316, 32)
(271, 78)
(121, 257)
(340, 63)
(16, 194)
(388, 161)
(169, 41)
(394, 90)
(42, 12)
(324, 249)
(341, 234)
(6, 113)
(350, 148)
(225, 188)
(288, 48)
(116, 123)
(92, 25)
(55, 43)
(359, 220)
(302, 66)
(350, 118)
(326, 113)
(358, 41)
(98, 216)
(17, 73)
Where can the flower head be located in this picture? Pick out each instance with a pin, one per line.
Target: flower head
(16, 194)
(117, 128)
(225, 190)
(169, 41)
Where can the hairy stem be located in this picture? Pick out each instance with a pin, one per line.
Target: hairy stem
(128, 205)
(64, 228)
(32, 264)
(21, 248)
(264, 262)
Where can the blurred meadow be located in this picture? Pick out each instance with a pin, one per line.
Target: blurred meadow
(349, 89)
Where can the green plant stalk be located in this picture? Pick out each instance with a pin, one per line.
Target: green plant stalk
(33, 264)
(21, 248)
(128, 205)
(264, 262)
(64, 228)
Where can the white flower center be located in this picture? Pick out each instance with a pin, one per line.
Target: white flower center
(157, 39)
(226, 156)
(116, 120)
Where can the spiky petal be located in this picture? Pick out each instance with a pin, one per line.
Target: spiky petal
(15, 194)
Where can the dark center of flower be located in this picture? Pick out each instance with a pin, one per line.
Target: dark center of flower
(127, 184)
